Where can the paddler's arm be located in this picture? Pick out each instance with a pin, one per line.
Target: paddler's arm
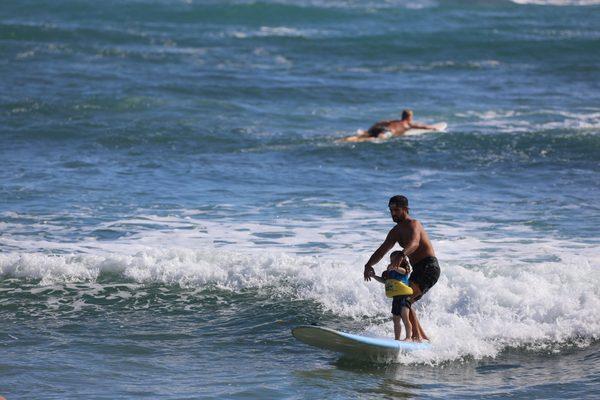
(421, 126)
(386, 246)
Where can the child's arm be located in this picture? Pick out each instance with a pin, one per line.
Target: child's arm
(378, 279)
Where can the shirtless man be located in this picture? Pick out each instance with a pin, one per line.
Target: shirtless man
(411, 236)
(389, 128)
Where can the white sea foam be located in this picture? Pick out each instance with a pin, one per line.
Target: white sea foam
(427, 66)
(277, 31)
(495, 290)
(516, 121)
(365, 4)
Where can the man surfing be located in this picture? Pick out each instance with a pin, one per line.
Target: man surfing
(411, 236)
(389, 128)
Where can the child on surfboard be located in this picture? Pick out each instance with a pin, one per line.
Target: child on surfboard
(396, 286)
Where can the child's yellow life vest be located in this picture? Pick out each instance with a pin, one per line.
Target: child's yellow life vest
(394, 287)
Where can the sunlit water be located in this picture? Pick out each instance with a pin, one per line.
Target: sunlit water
(173, 199)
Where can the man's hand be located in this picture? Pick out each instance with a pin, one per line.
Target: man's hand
(369, 272)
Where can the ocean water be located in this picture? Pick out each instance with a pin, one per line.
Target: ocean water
(173, 197)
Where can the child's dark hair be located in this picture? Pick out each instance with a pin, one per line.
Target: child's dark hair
(395, 254)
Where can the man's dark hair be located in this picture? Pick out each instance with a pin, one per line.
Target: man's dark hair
(399, 201)
(406, 114)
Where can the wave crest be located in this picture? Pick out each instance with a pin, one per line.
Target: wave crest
(474, 311)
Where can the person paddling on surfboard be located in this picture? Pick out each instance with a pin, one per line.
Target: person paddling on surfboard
(396, 286)
(390, 128)
(411, 236)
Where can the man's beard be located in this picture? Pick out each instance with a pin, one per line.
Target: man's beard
(397, 219)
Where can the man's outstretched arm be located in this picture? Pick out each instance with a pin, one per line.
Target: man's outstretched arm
(422, 126)
(386, 246)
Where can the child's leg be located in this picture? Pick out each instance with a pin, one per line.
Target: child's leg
(407, 325)
(397, 326)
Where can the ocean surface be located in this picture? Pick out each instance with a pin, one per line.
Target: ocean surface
(174, 197)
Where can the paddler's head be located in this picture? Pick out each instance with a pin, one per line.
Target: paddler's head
(398, 208)
(407, 115)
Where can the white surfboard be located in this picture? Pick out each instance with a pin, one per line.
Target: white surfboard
(352, 345)
(439, 127)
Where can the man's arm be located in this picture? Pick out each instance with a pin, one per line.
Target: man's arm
(422, 126)
(386, 246)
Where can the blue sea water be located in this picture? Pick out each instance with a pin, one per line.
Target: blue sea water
(174, 197)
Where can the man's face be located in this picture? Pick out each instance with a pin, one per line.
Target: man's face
(398, 213)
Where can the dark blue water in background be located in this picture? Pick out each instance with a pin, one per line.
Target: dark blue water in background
(173, 198)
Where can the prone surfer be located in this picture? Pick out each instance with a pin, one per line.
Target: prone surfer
(389, 128)
(412, 237)
(400, 303)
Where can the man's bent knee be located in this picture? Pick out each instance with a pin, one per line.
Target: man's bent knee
(416, 291)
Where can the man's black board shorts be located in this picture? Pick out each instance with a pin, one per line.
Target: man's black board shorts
(425, 274)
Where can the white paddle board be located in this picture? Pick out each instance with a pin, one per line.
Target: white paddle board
(352, 345)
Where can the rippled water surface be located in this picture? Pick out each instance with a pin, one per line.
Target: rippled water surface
(174, 197)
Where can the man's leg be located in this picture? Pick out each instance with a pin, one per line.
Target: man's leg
(416, 292)
(418, 333)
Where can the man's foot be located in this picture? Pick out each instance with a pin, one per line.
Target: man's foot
(420, 335)
(407, 339)
(420, 339)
